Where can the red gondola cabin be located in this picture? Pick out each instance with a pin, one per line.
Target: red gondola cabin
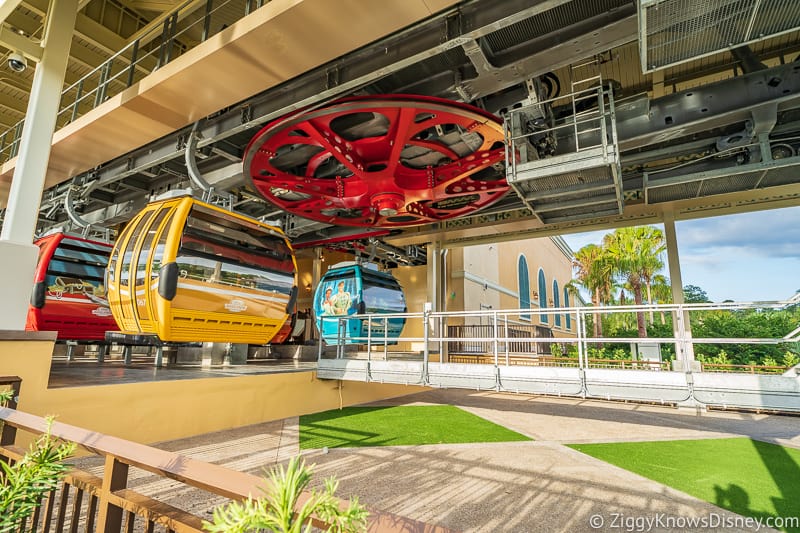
(69, 294)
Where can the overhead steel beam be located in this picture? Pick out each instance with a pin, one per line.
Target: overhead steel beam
(6, 7)
(573, 44)
(90, 31)
(146, 33)
(15, 41)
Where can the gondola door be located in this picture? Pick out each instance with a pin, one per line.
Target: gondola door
(119, 274)
(144, 268)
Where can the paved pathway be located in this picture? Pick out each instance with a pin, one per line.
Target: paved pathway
(516, 487)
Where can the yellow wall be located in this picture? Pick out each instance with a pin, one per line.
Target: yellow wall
(163, 410)
(305, 268)
(413, 280)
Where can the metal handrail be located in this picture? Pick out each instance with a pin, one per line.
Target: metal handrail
(500, 340)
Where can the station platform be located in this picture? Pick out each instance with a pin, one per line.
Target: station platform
(87, 373)
(540, 485)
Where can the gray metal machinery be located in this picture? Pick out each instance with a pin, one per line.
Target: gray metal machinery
(579, 155)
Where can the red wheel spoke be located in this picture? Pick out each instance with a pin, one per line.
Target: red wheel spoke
(347, 158)
(403, 121)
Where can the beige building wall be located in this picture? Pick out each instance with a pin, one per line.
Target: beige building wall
(488, 275)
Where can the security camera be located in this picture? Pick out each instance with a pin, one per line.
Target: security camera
(17, 62)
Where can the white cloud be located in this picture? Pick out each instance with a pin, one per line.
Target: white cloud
(773, 233)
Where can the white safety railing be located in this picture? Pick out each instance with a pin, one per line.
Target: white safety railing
(512, 351)
(527, 336)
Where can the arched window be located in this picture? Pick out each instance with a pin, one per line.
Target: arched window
(566, 304)
(524, 286)
(542, 295)
(556, 303)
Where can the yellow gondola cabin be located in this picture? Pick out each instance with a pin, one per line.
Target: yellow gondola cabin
(187, 271)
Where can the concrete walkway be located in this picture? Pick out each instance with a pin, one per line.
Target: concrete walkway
(516, 487)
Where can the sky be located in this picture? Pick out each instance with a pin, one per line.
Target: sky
(745, 257)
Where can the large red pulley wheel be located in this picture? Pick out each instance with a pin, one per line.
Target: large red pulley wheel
(381, 161)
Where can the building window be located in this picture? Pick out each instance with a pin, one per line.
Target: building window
(524, 286)
(542, 296)
(556, 303)
(566, 304)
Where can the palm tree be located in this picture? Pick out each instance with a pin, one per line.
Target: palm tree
(662, 293)
(635, 255)
(594, 273)
(653, 246)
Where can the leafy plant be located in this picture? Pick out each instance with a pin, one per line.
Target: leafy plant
(276, 510)
(6, 396)
(23, 484)
(555, 350)
(791, 359)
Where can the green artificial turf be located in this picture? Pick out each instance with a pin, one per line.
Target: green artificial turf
(748, 477)
(391, 426)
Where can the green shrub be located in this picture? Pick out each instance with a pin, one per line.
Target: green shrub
(555, 350)
(768, 361)
(791, 359)
(23, 484)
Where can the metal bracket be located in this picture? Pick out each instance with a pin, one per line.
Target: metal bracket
(246, 113)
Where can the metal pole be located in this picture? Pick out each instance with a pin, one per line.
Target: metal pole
(425, 352)
(161, 48)
(496, 334)
(134, 58)
(173, 26)
(21, 217)
(579, 319)
(440, 329)
(77, 101)
(369, 339)
(319, 349)
(102, 88)
(15, 146)
(207, 20)
(341, 333)
(684, 351)
(505, 329)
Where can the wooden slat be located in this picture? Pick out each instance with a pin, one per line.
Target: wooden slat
(156, 511)
(76, 510)
(91, 513)
(130, 521)
(62, 507)
(48, 511)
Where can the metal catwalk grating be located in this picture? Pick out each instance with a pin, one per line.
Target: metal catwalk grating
(551, 20)
(724, 181)
(780, 176)
(675, 31)
(543, 185)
